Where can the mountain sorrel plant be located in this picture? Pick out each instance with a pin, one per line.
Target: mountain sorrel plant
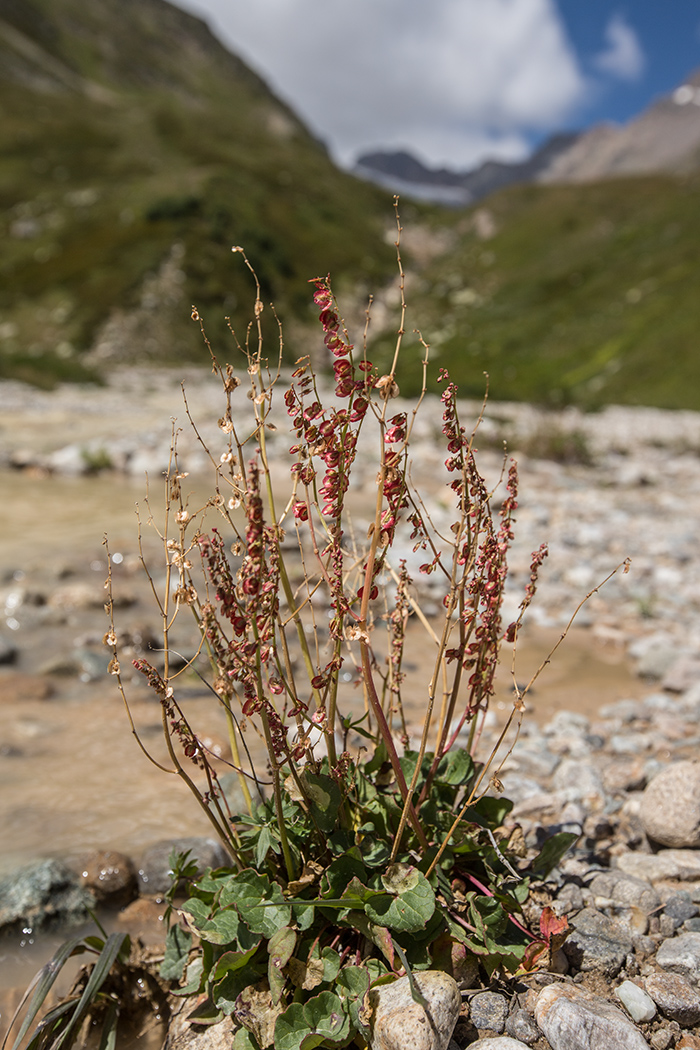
(370, 853)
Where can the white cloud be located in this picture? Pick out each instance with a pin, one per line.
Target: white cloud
(623, 57)
(455, 80)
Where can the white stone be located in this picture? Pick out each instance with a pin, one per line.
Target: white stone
(499, 1042)
(636, 1002)
(670, 809)
(573, 1019)
(400, 1023)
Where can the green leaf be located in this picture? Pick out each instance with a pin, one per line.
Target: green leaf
(322, 1020)
(455, 768)
(243, 1040)
(378, 935)
(248, 944)
(177, 946)
(409, 904)
(225, 992)
(258, 900)
(351, 985)
(490, 811)
(340, 872)
(280, 948)
(304, 915)
(331, 964)
(222, 928)
(325, 798)
(262, 846)
(205, 1013)
(552, 852)
(194, 978)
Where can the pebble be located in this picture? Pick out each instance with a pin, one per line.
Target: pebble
(636, 1002)
(400, 1023)
(681, 954)
(17, 687)
(488, 1010)
(675, 997)
(670, 809)
(574, 1019)
(667, 864)
(597, 943)
(521, 1026)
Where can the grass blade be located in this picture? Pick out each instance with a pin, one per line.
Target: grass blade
(41, 986)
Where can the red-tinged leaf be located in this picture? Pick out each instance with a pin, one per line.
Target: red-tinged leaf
(552, 927)
(536, 954)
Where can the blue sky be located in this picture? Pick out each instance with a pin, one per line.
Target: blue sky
(459, 81)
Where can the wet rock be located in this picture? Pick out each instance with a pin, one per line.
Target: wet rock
(636, 1002)
(680, 864)
(681, 954)
(670, 809)
(488, 1010)
(675, 997)
(17, 688)
(597, 943)
(110, 876)
(521, 1026)
(43, 895)
(154, 869)
(400, 1023)
(574, 1019)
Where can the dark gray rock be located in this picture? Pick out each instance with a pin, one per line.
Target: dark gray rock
(597, 943)
(520, 1025)
(43, 895)
(679, 909)
(675, 997)
(154, 869)
(488, 1010)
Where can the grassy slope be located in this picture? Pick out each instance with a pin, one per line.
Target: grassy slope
(586, 294)
(183, 144)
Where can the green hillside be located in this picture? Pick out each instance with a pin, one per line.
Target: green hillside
(134, 152)
(585, 294)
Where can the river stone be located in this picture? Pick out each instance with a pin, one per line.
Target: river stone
(675, 997)
(488, 1010)
(573, 1019)
(154, 869)
(597, 943)
(111, 876)
(43, 895)
(521, 1026)
(400, 1023)
(636, 1002)
(670, 809)
(681, 954)
(683, 864)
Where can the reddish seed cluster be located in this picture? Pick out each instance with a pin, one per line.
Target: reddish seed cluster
(179, 726)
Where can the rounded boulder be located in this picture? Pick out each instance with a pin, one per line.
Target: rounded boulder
(670, 806)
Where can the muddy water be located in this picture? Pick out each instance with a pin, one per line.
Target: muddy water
(72, 777)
